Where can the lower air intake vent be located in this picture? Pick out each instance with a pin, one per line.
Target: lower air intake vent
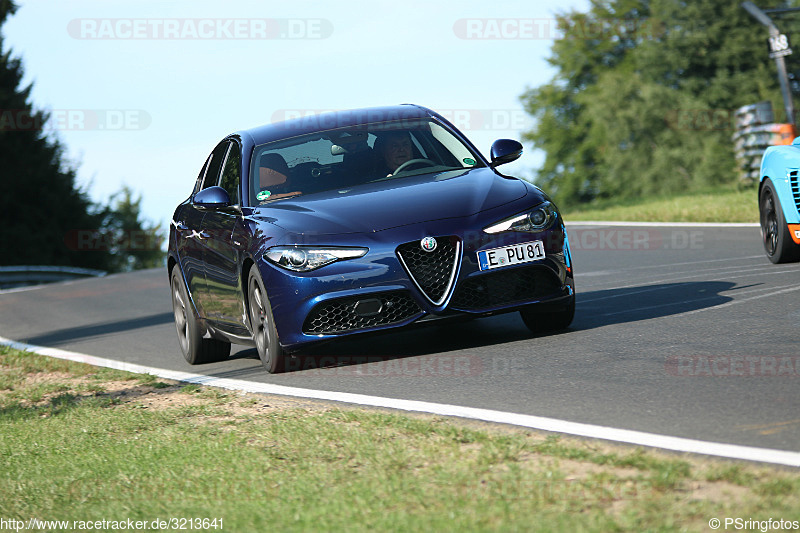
(341, 315)
(506, 287)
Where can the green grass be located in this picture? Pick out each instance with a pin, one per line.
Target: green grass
(77, 454)
(716, 206)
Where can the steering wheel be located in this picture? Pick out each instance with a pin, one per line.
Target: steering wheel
(412, 162)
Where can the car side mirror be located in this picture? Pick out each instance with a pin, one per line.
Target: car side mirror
(212, 198)
(505, 151)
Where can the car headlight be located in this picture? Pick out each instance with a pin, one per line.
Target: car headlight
(538, 218)
(307, 258)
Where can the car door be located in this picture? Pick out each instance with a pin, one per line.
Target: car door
(188, 226)
(224, 246)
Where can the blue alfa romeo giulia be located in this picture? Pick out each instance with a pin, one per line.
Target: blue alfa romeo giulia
(359, 221)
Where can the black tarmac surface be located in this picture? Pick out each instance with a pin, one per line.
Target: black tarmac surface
(681, 331)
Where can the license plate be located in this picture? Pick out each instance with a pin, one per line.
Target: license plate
(511, 255)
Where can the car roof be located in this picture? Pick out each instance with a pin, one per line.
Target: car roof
(312, 122)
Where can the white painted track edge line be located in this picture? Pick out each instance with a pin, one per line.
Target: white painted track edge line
(579, 223)
(677, 444)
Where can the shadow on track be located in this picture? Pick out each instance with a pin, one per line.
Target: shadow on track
(618, 306)
(594, 309)
(67, 335)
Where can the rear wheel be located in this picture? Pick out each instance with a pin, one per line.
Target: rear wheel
(539, 321)
(778, 243)
(196, 350)
(262, 323)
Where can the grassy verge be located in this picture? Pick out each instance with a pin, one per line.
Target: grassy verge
(717, 206)
(83, 444)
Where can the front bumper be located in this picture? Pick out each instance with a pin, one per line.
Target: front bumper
(376, 292)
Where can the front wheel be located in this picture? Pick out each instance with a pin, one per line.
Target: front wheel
(196, 350)
(778, 243)
(262, 324)
(539, 321)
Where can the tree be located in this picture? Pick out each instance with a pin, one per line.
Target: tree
(133, 243)
(45, 218)
(39, 197)
(644, 97)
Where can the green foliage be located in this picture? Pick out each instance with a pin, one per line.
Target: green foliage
(644, 95)
(712, 205)
(45, 218)
(132, 243)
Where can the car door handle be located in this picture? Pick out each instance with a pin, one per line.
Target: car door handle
(198, 234)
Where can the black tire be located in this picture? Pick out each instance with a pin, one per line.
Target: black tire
(778, 244)
(196, 350)
(262, 323)
(547, 322)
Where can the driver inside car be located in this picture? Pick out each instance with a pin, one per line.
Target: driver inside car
(393, 149)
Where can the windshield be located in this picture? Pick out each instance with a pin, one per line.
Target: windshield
(348, 157)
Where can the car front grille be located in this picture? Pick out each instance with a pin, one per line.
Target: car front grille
(432, 272)
(793, 182)
(505, 287)
(341, 315)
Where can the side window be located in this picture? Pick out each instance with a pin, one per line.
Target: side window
(214, 164)
(231, 174)
(198, 184)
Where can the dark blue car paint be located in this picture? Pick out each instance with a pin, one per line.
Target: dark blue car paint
(378, 206)
(214, 247)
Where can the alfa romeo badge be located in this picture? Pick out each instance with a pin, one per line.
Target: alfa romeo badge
(428, 244)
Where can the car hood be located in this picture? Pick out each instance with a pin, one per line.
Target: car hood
(389, 204)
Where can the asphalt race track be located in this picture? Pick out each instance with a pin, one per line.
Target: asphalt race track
(687, 331)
